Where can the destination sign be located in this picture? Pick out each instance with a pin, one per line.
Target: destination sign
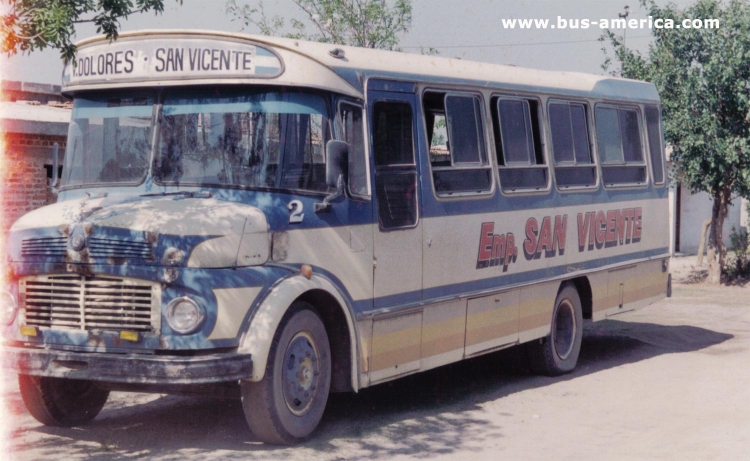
(164, 58)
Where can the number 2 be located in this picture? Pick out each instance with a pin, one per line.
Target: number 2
(295, 206)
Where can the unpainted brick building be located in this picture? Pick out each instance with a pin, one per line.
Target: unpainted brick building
(33, 117)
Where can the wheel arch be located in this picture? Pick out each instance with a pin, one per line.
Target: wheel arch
(333, 309)
(583, 286)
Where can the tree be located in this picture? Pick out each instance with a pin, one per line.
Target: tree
(364, 23)
(703, 77)
(37, 24)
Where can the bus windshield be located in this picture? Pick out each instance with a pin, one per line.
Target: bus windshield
(253, 138)
(109, 140)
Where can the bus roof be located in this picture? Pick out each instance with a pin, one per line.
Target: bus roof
(313, 64)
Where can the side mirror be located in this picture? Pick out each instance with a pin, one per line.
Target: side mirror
(55, 166)
(337, 161)
(337, 166)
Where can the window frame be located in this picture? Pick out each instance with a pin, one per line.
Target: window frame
(662, 154)
(637, 109)
(339, 133)
(156, 96)
(587, 108)
(478, 96)
(327, 127)
(543, 144)
(404, 168)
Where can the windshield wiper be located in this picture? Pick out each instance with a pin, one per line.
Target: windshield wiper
(186, 193)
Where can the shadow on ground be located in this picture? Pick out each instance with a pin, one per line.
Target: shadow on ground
(421, 415)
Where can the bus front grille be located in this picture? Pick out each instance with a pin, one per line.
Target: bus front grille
(57, 247)
(65, 302)
(44, 246)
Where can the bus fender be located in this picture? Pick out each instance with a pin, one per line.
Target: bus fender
(257, 338)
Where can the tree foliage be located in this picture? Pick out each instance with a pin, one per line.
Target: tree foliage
(703, 78)
(37, 24)
(364, 23)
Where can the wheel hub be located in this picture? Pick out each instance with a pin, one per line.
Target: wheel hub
(300, 373)
(564, 329)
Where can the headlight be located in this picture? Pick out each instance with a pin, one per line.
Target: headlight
(7, 308)
(184, 315)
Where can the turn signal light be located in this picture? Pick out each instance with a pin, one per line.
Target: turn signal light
(29, 331)
(129, 335)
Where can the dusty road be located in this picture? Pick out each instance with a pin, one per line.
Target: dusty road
(671, 381)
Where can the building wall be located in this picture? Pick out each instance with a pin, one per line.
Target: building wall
(696, 208)
(24, 183)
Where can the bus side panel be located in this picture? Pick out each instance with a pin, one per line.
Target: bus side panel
(364, 327)
(443, 334)
(344, 251)
(633, 287)
(396, 346)
(536, 304)
(599, 294)
(492, 322)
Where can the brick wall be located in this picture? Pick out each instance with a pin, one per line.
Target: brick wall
(24, 183)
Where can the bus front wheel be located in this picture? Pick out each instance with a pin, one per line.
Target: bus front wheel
(557, 353)
(287, 404)
(60, 401)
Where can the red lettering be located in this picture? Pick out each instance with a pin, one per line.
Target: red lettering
(529, 245)
(611, 225)
(620, 218)
(561, 228)
(510, 248)
(583, 226)
(498, 248)
(545, 236)
(485, 241)
(638, 224)
(629, 212)
(600, 223)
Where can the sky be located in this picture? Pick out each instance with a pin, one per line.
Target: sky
(468, 29)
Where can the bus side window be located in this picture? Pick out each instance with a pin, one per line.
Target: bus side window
(620, 151)
(395, 170)
(653, 127)
(352, 131)
(520, 154)
(571, 148)
(458, 154)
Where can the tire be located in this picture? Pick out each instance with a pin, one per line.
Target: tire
(557, 353)
(286, 406)
(61, 402)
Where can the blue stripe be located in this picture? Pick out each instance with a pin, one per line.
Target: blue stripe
(262, 70)
(260, 51)
(432, 295)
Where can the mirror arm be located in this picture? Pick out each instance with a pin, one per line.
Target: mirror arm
(325, 205)
(54, 181)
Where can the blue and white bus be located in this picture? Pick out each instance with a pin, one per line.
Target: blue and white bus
(281, 219)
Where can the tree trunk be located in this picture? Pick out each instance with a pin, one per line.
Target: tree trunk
(702, 246)
(716, 252)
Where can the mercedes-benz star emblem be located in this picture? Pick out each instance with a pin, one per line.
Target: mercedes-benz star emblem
(78, 239)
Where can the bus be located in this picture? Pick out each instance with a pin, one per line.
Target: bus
(278, 220)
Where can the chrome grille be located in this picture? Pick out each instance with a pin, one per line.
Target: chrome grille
(44, 246)
(106, 248)
(90, 303)
(98, 247)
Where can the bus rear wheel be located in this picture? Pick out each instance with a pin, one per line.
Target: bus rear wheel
(557, 353)
(61, 402)
(286, 405)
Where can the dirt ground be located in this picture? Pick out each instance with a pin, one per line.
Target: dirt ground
(671, 381)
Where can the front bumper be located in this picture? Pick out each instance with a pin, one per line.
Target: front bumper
(128, 368)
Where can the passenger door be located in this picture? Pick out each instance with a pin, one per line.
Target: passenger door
(398, 236)
(397, 239)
